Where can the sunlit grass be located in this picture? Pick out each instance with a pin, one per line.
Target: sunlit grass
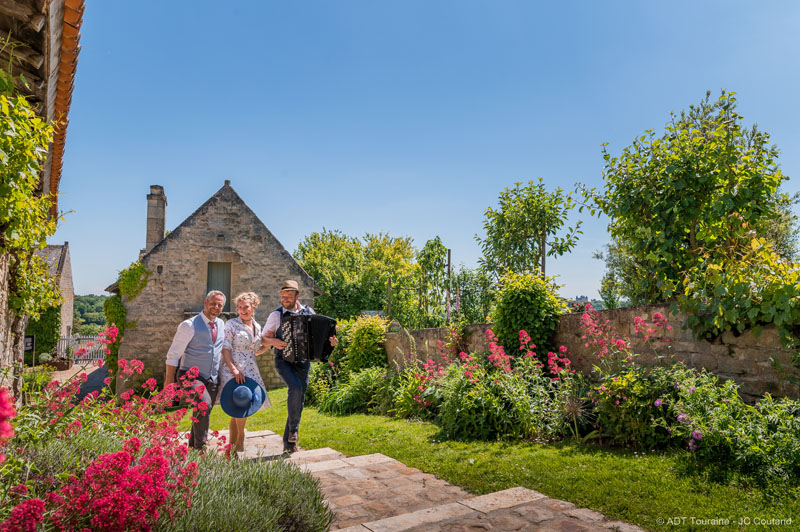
(636, 487)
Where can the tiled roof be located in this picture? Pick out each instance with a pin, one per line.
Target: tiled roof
(54, 256)
(42, 45)
(70, 48)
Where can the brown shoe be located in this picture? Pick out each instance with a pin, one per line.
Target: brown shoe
(290, 449)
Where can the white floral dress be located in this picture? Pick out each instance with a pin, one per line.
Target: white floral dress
(243, 343)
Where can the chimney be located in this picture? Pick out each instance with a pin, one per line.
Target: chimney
(156, 216)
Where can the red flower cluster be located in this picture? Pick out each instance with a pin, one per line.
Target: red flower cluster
(6, 413)
(126, 490)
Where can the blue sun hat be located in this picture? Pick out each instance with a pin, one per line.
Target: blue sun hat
(242, 400)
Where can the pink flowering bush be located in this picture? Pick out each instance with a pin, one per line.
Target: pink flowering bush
(100, 463)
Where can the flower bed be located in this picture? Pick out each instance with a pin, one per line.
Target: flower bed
(118, 464)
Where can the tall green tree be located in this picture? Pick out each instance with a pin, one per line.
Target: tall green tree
(432, 283)
(687, 196)
(354, 273)
(523, 230)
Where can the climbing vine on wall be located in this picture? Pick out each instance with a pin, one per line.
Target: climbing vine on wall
(131, 281)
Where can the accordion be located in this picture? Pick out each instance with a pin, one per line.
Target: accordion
(307, 337)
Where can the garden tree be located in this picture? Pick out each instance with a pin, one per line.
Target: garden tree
(521, 233)
(353, 273)
(687, 196)
(432, 284)
(474, 295)
(26, 288)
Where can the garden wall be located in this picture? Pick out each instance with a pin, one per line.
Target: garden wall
(743, 358)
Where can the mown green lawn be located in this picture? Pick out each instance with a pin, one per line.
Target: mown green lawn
(634, 487)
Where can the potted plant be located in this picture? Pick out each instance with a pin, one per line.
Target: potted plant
(61, 362)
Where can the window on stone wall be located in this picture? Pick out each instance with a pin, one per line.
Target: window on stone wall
(219, 278)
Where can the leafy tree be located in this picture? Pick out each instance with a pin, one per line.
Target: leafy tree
(432, 283)
(474, 295)
(521, 233)
(353, 273)
(688, 196)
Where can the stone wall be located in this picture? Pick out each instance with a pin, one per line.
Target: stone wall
(224, 229)
(743, 358)
(67, 291)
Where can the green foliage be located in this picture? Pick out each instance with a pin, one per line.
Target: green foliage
(353, 273)
(365, 349)
(731, 438)
(133, 279)
(635, 408)
(357, 394)
(87, 314)
(526, 302)
(24, 220)
(487, 403)
(254, 496)
(116, 314)
(517, 232)
(473, 295)
(754, 288)
(432, 283)
(46, 328)
(131, 282)
(689, 195)
(415, 397)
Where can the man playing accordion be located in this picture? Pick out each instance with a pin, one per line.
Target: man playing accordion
(294, 371)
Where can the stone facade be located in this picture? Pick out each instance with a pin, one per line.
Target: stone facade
(743, 358)
(60, 268)
(222, 230)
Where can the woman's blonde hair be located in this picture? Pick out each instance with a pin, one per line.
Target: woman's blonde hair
(252, 297)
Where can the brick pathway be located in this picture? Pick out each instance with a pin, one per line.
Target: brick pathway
(376, 493)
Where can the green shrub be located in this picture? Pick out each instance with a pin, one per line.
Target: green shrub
(365, 344)
(488, 403)
(321, 379)
(731, 438)
(46, 328)
(356, 394)
(635, 407)
(416, 394)
(253, 496)
(526, 302)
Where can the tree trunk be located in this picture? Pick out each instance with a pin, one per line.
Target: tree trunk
(18, 351)
(6, 316)
(542, 248)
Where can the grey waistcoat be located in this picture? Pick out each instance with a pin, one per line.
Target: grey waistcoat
(201, 352)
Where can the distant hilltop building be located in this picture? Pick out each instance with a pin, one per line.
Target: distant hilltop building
(221, 246)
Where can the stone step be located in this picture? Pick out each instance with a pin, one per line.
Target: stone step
(372, 487)
(511, 509)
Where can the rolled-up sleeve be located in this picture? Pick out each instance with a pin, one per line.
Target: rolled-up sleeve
(273, 322)
(182, 337)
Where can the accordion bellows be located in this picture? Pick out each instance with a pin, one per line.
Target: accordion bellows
(307, 337)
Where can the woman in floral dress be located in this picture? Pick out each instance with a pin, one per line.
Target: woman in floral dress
(241, 346)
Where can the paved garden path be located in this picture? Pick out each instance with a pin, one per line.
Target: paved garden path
(375, 493)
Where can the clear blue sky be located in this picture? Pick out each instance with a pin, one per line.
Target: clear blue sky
(401, 117)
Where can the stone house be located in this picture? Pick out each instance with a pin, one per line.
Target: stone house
(60, 267)
(221, 246)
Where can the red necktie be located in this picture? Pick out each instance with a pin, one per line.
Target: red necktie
(213, 327)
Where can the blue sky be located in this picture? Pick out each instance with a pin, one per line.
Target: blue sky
(400, 117)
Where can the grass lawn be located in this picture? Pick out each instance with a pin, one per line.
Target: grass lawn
(645, 489)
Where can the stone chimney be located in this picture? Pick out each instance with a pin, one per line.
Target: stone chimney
(156, 216)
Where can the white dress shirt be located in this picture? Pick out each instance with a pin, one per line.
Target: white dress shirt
(274, 319)
(182, 338)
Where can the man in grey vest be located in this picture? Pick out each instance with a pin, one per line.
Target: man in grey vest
(198, 343)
